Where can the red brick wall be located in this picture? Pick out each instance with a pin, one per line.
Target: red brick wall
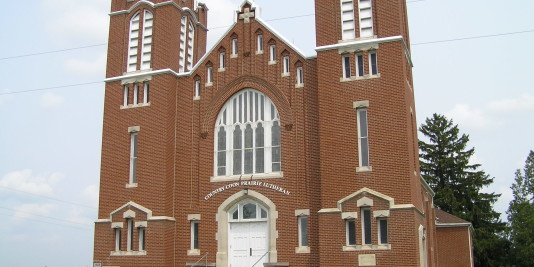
(453, 243)
(319, 141)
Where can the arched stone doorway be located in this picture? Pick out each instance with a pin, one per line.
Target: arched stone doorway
(246, 230)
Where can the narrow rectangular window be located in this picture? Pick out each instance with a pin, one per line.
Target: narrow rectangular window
(197, 89)
(194, 234)
(359, 65)
(351, 232)
(210, 74)
(347, 19)
(117, 239)
(126, 95)
(363, 139)
(366, 226)
(272, 53)
(222, 61)
(286, 64)
(346, 66)
(136, 94)
(141, 231)
(146, 98)
(234, 47)
(300, 75)
(366, 18)
(133, 157)
(383, 231)
(129, 240)
(303, 231)
(260, 43)
(373, 66)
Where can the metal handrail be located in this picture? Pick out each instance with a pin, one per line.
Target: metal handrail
(260, 259)
(195, 264)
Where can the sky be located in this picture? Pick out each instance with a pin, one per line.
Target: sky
(50, 139)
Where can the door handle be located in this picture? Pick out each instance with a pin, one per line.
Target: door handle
(250, 251)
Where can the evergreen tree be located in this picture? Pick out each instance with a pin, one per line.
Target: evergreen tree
(521, 215)
(458, 184)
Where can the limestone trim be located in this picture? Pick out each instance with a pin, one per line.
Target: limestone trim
(305, 212)
(152, 5)
(330, 210)
(193, 217)
(367, 247)
(145, 77)
(128, 253)
(381, 213)
(368, 191)
(145, 210)
(364, 202)
(392, 205)
(349, 215)
(129, 214)
(426, 186)
(141, 224)
(368, 43)
(223, 225)
(117, 225)
(302, 250)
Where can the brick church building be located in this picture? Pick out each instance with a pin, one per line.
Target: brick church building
(253, 154)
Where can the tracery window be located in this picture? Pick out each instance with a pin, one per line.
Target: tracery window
(247, 211)
(247, 136)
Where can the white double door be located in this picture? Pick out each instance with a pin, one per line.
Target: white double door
(248, 243)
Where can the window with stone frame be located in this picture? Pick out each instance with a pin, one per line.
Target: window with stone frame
(247, 136)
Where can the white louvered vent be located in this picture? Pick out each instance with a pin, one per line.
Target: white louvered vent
(347, 19)
(146, 51)
(366, 18)
(133, 42)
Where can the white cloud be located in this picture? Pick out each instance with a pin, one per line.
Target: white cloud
(27, 182)
(80, 67)
(28, 211)
(49, 100)
(91, 193)
(469, 117)
(521, 104)
(76, 21)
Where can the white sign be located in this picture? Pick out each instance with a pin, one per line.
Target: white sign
(247, 184)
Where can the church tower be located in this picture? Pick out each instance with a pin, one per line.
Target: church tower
(368, 134)
(151, 43)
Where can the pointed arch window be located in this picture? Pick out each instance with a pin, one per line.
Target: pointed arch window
(140, 35)
(133, 45)
(183, 25)
(247, 136)
(190, 45)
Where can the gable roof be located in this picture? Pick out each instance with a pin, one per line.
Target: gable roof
(257, 17)
(445, 218)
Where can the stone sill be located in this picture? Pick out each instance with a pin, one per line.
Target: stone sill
(135, 105)
(356, 78)
(367, 247)
(275, 175)
(128, 253)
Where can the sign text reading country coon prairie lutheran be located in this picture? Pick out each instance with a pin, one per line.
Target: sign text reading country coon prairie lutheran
(247, 183)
